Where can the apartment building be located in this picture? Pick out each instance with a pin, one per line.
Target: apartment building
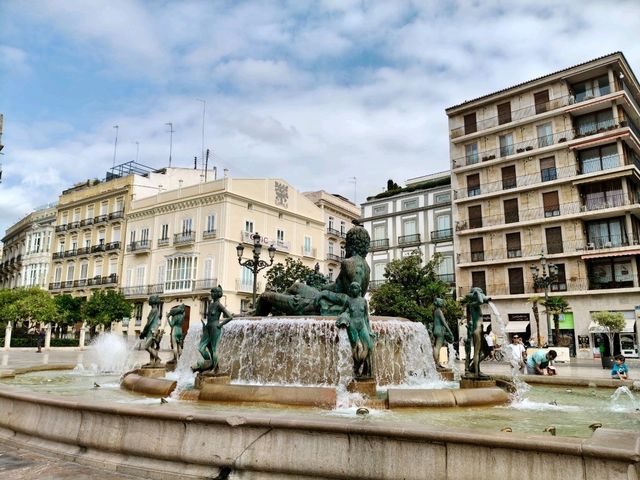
(339, 214)
(414, 218)
(550, 170)
(183, 242)
(91, 220)
(27, 250)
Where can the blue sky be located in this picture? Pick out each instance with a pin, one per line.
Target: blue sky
(315, 92)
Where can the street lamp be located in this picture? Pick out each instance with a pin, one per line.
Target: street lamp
(255, 264)
(543, 278)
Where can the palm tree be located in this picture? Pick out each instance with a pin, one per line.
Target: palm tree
(534, 300)
(556, 306)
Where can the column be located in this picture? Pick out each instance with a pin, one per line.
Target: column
(83, 332)
(47, 338)
(7, 337)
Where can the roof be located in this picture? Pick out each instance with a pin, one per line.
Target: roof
(536, 80)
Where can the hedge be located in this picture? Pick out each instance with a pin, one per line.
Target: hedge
(33, 342)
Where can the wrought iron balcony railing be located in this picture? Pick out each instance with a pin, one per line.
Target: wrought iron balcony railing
(443, 235)
(209, 234)
(184, 238)
(380, 244)
(412, 239)
(140, 246)
(332, 257)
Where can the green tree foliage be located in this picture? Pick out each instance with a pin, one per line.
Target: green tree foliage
(556, 306)
(27, 304)
(391, 185)
(613, 322)
(104, 307)
(69, 308)
(281, 276)
(411, 289)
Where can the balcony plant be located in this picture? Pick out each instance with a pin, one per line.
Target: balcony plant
(612, 323)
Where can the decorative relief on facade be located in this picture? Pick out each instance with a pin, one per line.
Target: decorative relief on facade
(282, 194)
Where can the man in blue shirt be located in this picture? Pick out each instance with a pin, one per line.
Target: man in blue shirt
(538, 363)
(620, 371)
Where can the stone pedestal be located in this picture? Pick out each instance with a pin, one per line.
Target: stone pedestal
(468, 382)
(446, 374)
(83, 333)
(363, 386)
(211, 379)
(154, 372)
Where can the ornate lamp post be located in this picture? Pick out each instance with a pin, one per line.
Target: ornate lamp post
(255, 264)
(543, 277)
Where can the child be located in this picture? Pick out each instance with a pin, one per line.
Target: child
(620, 371)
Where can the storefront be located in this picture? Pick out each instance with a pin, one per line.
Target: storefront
(626, 342)
(567, 333)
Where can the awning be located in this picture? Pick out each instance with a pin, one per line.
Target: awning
(516, 327)
(629, 327)
(618, 253)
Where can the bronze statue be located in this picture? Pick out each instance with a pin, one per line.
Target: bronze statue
(302, 299)
(175, 317)
(474, 299)
(152, 333)
(211, 333)
(441, 331)
(355, 318)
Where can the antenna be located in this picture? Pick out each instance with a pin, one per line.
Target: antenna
(204, 107)
(171, 130)
(206, 165)
(354, 180)
(115, 145)
(195, 163)
(137, 150)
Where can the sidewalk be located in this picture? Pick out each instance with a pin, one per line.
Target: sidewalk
(21, 358)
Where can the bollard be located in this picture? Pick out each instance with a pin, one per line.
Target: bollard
(47, 338)
(83, 332)
(7, 337)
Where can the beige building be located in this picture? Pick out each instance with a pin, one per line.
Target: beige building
(339, 214)
(27, 250)
(181, 243)
(91, 221)
(552, 166)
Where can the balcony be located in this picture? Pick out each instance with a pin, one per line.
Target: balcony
(61, 228)
(95, 281)
(449, 278)
(308, 252)
(73, 225)
(100, 219)
(381, 244)
(184, 238)
(409, 240)
(71, 253)
(283, 246)
(206, 284)
(373, 284)
(156, 289)
(57, 255)
(110, 280)
(335, 233)
(138, 291)
(80, 283)
(246, 287)
(332, 257)
(116, 215)
(112, 246)
(209, 234)
(163, 242)
(98, 248)
(67, 284)
(82, 251)
(86, 222)
(55, 286)
(141, 246)
(444, 235)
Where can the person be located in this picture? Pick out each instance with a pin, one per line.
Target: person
(211, 333)
(518, 354)
(538, 363)
(489, 339)
(619, 371)
(40, 341)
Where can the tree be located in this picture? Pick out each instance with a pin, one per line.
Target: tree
(7, 297)
(556, 306)
(612, 322)
(69, 308)
(391, 185)
(410, 291)
(28, 304)
(534, 301)
(104, 307)
(281, 276)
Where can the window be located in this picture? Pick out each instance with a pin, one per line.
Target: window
(475, 216)
(442, 198)
(211, 223)
(409, 204)
(208, 270)
(551, 204)
(343, 227)
(104, 207)
(65, 218)
(614, 272)
(57, 274)
(76, 215)
(331, 223)
(607, 233)
(516, 281)
(140, 270)
(61, 246)
(331, 245)
(446, 266)
(144, 236)
(84, 270)
(476, 245)
(554, 239)
(548, 169)
(409, 226)
(186, 226)
(593, 122)
(132, 236)
(603, 195)
(509, 177)
(113, 267)
(87, 240)
(478, 279)
(246, 278)
(511, 214)
(514, 249)
(161, 275)
(180, 273)
(599, 158)
(473, 185)
(74, 244)
(115, 234)
(560, 285)
(470, 125)
(101, 237)
(90, 211)
(541, 100)
(70, 271)
(380, 209)
(307, 245)
(119, 205)
(471, 153)
(378, 271)
(248, 226)
(164, 232)
(504, 113)
(330, 275)
(545, 135)
(97, 269)
(443, 222)
(591, 88)
(379, 231)
(245, 305)
(506, 145)
(280, 235)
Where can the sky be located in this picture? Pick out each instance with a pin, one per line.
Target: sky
(314, 92)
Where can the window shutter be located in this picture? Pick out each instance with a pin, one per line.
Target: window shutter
(504, 113)
(551, 204)
(511, 211)
(475, 216)
(476, 245)
(516, 281)
(509, 177)
(478, 280)
(514, 248)
(554, 240)
(541, 100)
(470, 125)
(473, 185)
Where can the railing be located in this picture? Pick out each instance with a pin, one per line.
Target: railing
(67, 284)
(286, 246)
(332, 257)
(443, 235)
(56, 255)
(73, 225)
(86, 222)
(184, 238)
(135, 291)
(160, 288)
(381, 244)
(80, 283)
(522, 113)
(71, 253)
(113, 278)
(156, 288)
(98, 248)
(409, 239)
(243, 286)
(163, 242)
(449, 278)
(116, 215)
(61, 228)
(373, 284)
(209, 234)
(84, 250)
(308, 252)
(205, 284)
(141, 246)
(334, 232)
(113, 246)
(55, 286)
(100, 218)
(589, 205)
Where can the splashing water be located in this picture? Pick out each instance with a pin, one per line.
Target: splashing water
(623, 398)
(345, 399)
(500, 322)
(452, 364)
(183, 374)
(111, 353)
